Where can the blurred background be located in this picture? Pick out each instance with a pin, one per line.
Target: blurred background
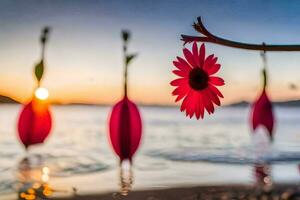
(84, 76)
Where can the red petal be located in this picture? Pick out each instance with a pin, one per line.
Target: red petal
(193, 104)
(187, 103)
(184, 63)
(216, 80)
(181, 73)
(214, 69)
(179, 81)
(207, 102)
(195, 53)
(189, 57)
(213, 61)
(181, 65)
(184, 102)
(199, 106)
(201, 55)
(181, 91)
(213, 97)
(190, 111)
(207, 62)
(215, 90)
(178, 65)
(210, 61)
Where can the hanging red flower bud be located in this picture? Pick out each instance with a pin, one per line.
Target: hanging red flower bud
(125, 124)
(35, 120)
(197, 85)
(262, 112)
(34, 123)
(125, 127)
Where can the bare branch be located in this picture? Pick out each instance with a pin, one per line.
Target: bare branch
(209, 37)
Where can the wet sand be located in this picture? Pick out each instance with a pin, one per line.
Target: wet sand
(283, 191)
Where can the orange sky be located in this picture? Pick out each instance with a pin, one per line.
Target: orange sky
(84, 60)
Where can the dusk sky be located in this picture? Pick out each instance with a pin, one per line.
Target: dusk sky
(84, 54)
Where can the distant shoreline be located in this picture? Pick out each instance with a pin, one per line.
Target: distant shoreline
(290, 103)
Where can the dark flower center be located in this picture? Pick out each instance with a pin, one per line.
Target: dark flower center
(198, 79)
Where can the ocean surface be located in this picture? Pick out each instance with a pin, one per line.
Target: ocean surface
(175, 151)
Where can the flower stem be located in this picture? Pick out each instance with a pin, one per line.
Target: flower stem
(126, 68)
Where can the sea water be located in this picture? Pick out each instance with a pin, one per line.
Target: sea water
(175, 150)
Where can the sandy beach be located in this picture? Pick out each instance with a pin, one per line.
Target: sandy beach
(282, 191)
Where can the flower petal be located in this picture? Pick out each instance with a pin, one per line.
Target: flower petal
(213, 61)
(181, 73)
(188, 104)
(195, 53)
(200, 107)
(181, 64)
(179, 81)
(209, 107)
(181, 91)
(195, 104)
(215, 90)
(216, 80)
(207, 103)
(207, 62)
(189, 57)
(185, 102)
(197, 109)
(201, 55)
(191, 106)
(213, 69)
(213, 97)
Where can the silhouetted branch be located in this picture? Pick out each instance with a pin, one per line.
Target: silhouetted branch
(209, 37)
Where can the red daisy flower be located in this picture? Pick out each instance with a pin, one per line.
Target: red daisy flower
(197, 85)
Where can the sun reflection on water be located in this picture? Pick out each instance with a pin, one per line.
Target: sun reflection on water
(33, 181)
(263, 179)
(126, 178)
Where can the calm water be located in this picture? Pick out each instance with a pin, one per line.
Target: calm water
(174, 151)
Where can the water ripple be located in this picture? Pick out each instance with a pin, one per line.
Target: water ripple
(243, 156)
